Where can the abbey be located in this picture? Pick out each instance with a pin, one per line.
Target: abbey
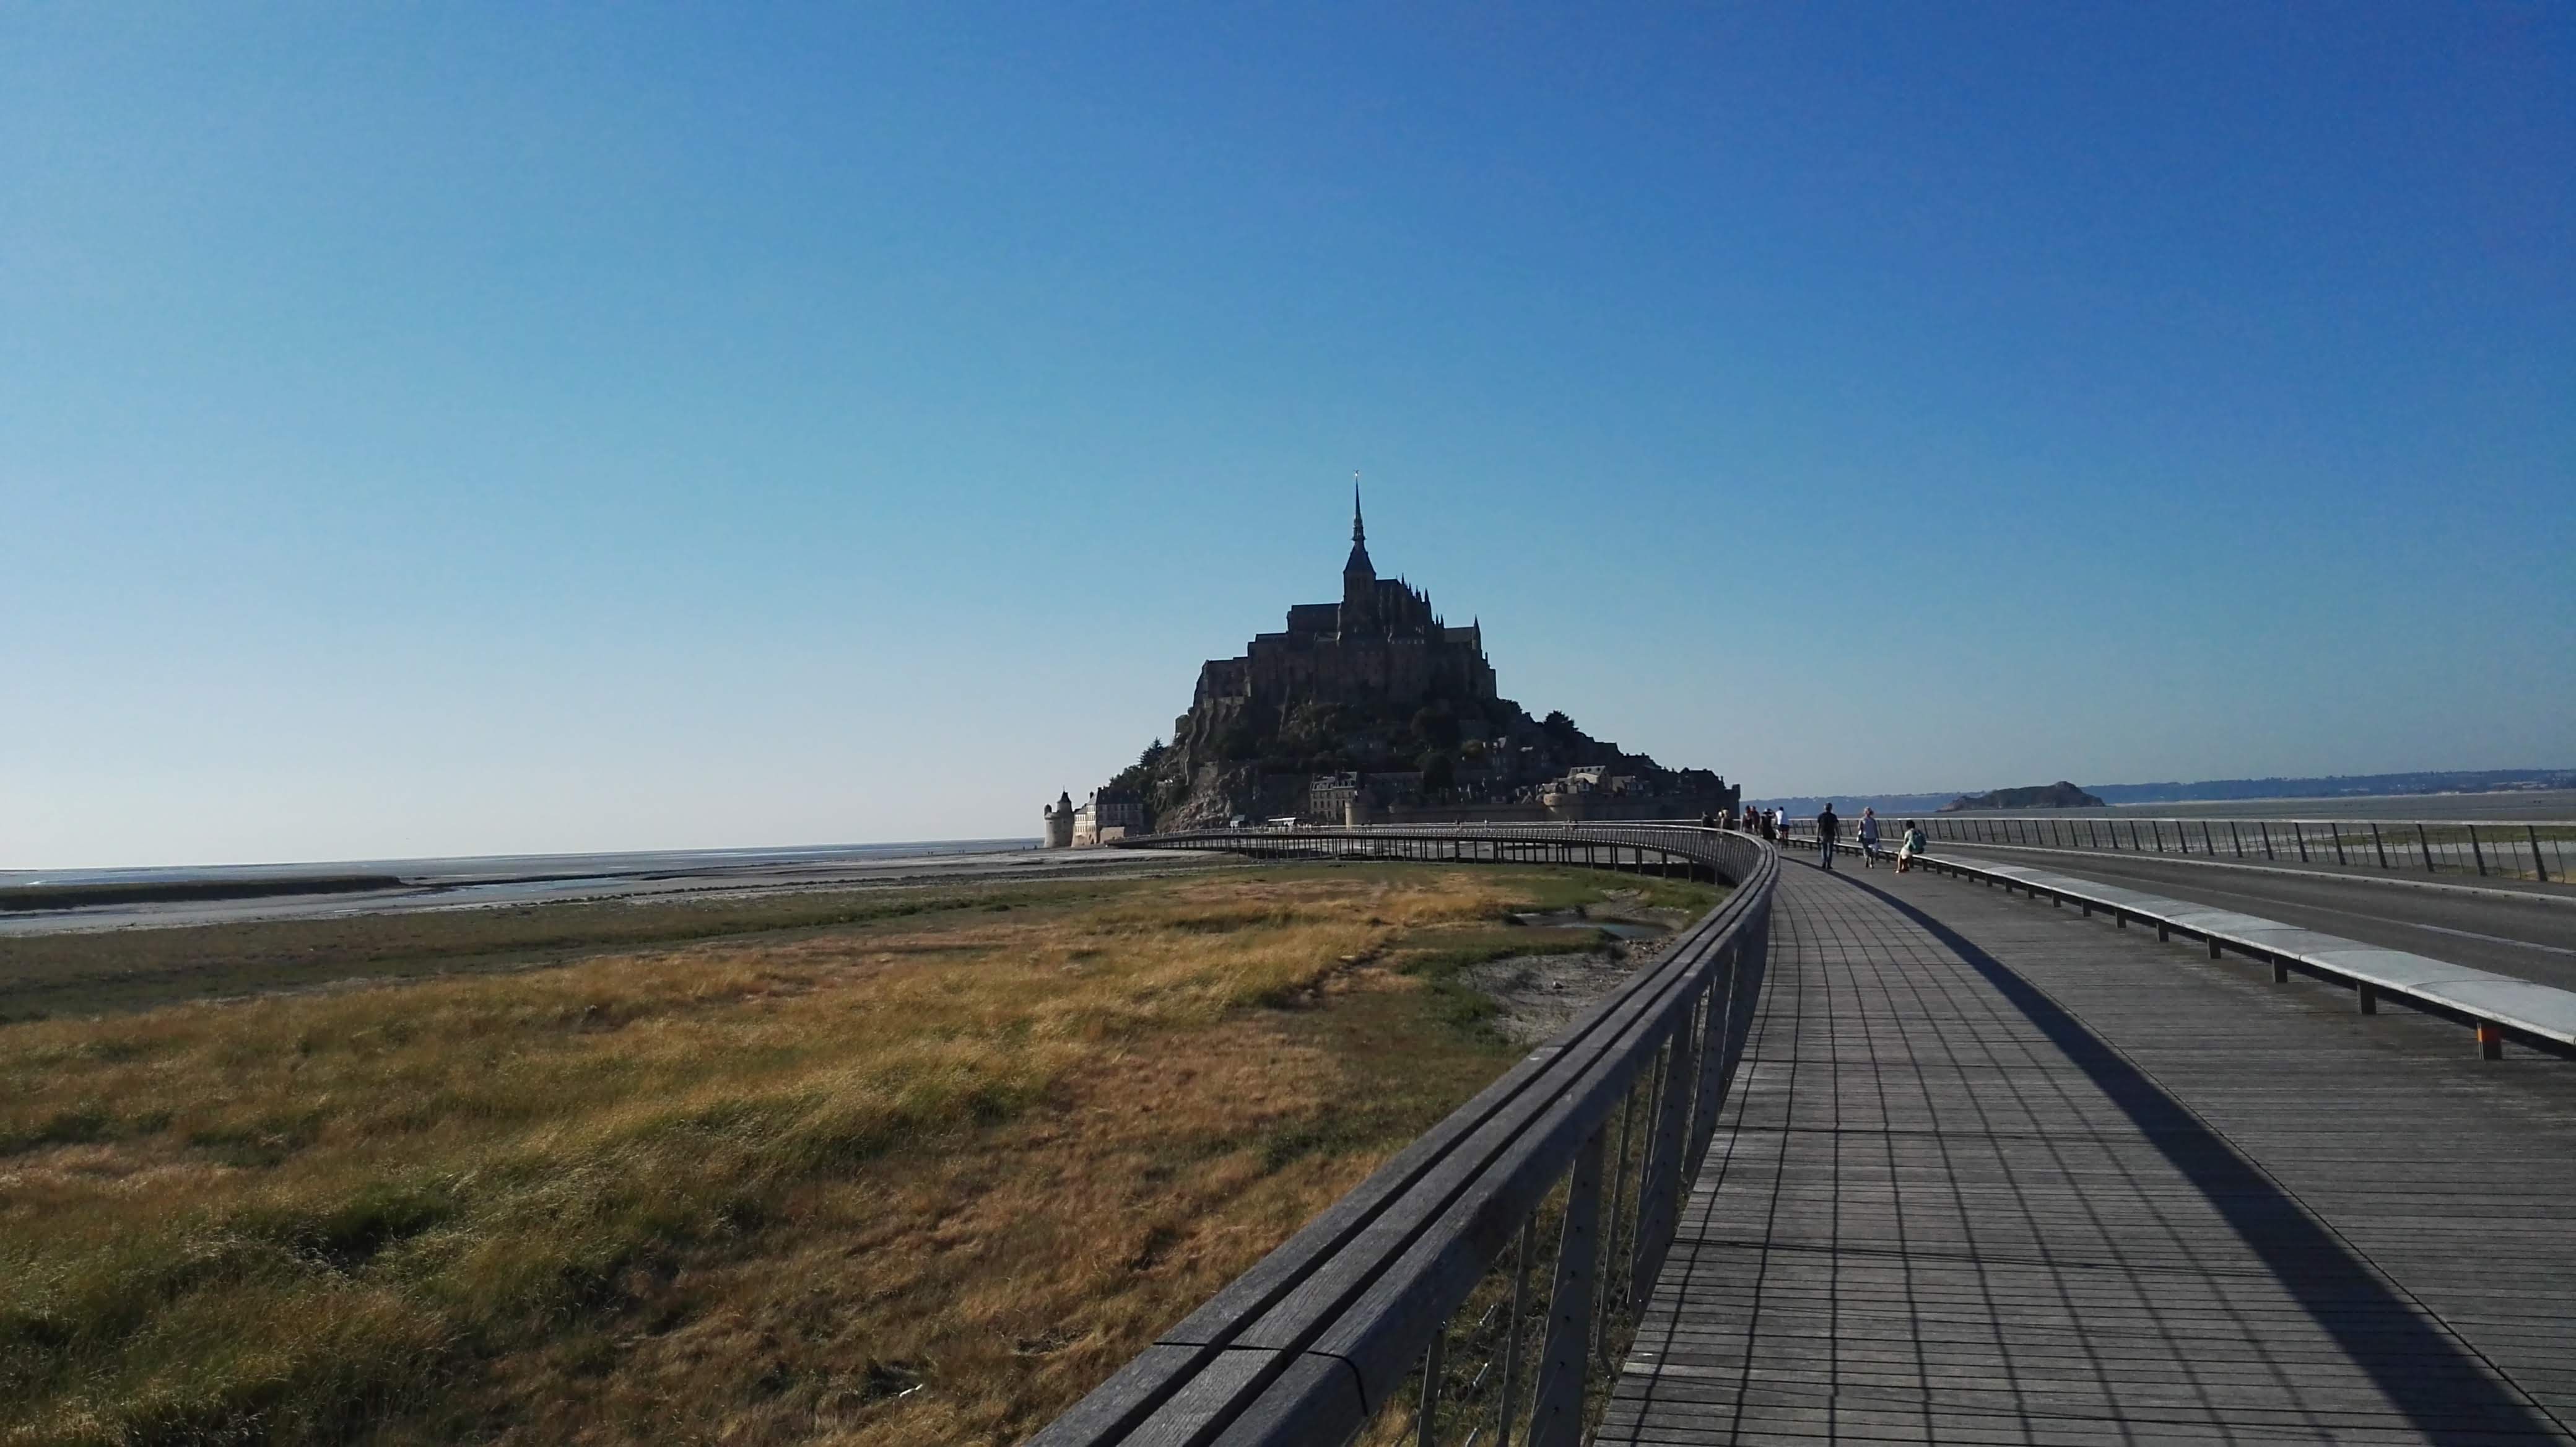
(1382, 646)
(1371, 708)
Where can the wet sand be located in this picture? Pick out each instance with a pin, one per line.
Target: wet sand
(647, 878)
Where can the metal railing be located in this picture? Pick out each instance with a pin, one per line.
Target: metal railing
(1481, 1286)
(2544, 851)
(2497, 1007)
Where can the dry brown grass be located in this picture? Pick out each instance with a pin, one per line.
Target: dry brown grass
(925, 1180)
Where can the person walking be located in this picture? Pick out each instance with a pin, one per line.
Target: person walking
(1913, 848)
(1868, 833)
(1829, 832)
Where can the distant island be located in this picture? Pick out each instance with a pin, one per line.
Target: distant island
(1372, 709)
(2060, 795)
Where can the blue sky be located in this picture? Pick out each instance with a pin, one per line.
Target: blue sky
(466, 429)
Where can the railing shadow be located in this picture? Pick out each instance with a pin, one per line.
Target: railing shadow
(2444, 1390)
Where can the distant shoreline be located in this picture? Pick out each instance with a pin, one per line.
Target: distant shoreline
(23, 898)
(499, 868)
(161, 899)
(2499, 805)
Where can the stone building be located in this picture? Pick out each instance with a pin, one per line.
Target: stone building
(1059, 823)
(1359, 798)
(1108, 814)
(1381, 646)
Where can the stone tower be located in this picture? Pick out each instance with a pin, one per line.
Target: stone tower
(1059, 823)
(1359, 575)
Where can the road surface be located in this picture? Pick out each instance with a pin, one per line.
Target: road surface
(2518, 934)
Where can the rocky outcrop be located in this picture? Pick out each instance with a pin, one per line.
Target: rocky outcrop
(2060, 795)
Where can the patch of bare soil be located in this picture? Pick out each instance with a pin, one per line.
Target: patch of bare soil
(1540, 994)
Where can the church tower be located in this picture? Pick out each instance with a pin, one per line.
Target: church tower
(1359, 575)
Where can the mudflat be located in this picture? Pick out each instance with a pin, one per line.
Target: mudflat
(128, 957)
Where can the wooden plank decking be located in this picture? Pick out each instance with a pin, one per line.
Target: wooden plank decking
(1995, 1173)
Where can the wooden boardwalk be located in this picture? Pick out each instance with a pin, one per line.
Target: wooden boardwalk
(1996, 1173)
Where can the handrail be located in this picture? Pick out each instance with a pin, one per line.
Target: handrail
(2497, 1007)
(1316, 1339)
(2538, 849)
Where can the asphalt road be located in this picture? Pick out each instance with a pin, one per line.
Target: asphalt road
(2530, 939)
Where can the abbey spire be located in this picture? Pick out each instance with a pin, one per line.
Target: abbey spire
(1359, 575)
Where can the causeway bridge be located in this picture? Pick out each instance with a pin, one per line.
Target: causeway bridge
(2031, 1144)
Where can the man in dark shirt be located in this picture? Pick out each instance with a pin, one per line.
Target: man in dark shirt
(1829, 829)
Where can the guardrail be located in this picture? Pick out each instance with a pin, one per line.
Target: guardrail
(1487, 1278)
(2542, 850)
(2497, 1007)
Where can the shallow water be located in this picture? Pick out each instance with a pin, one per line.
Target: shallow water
(489, 868)
(507, 880)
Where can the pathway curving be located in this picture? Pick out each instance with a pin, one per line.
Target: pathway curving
(1994, 1172)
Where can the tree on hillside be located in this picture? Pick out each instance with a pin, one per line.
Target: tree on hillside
(1439, 771)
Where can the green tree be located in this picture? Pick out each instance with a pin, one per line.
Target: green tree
(1439, 771)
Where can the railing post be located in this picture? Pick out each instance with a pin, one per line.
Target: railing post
(1657, 1207)
(1426, 1425)
(2538, 868)
(1556, 1408)
(2426, 843)
(1618, 1201)
(1512, 1334)
(2235, 840)
(2378, 845)
(2477, 853)
(2267, 837)
(2299, 832)
(1710, 1093)
(2207, 845)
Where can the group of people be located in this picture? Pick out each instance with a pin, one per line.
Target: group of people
(1829, 836)
(1773, 826)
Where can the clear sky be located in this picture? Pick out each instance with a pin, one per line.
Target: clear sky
(441, 429)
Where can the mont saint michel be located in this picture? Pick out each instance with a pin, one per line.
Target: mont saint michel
(1372, 709)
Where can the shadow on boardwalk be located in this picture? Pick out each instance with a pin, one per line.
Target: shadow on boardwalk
(2444, 1389)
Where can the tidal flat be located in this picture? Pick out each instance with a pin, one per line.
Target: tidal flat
(884, 1166)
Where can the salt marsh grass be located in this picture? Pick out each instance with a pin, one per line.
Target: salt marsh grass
(921, 1177)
